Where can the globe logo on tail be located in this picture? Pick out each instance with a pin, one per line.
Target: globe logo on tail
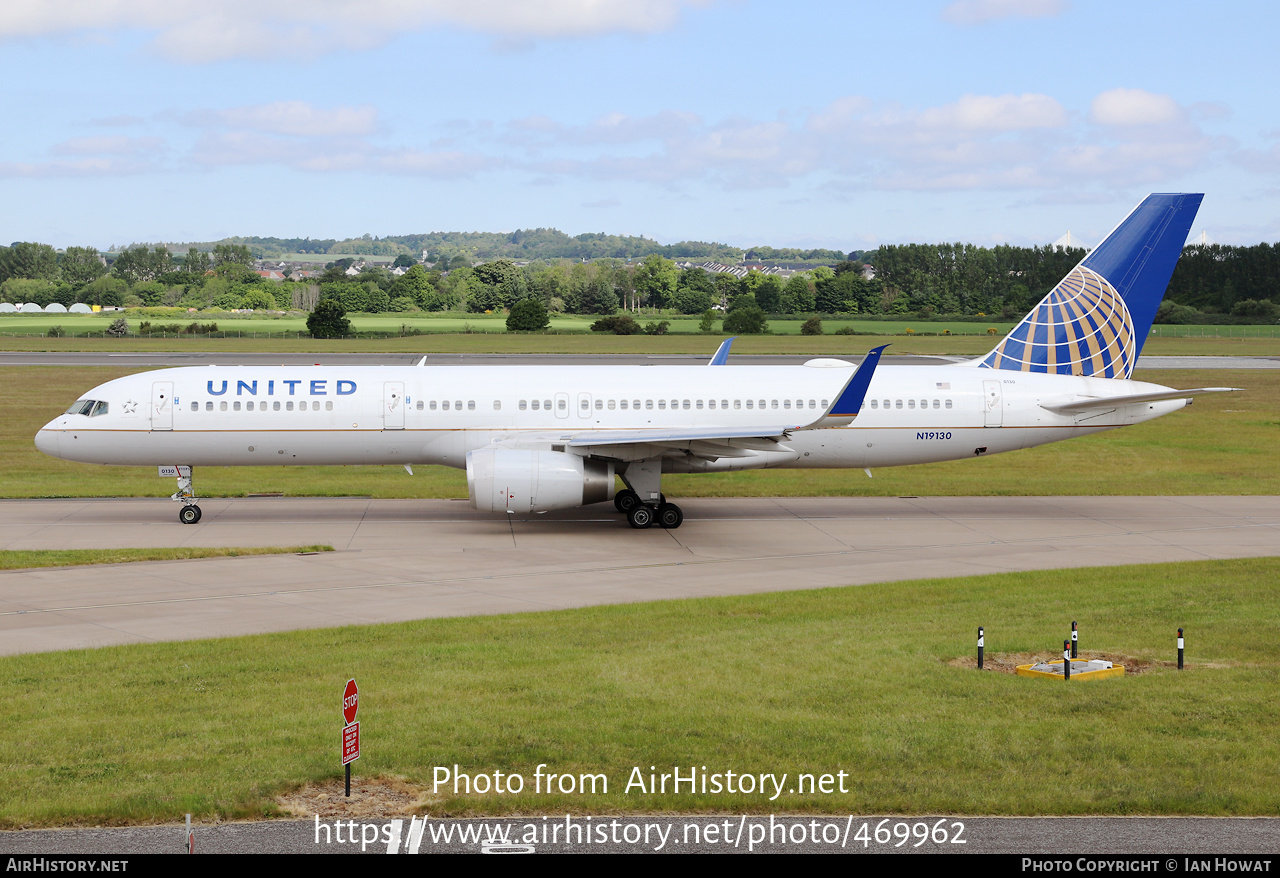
(1083, 327)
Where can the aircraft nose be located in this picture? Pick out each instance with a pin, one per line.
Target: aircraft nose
(47, 440)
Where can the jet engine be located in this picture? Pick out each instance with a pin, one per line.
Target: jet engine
(515, 480)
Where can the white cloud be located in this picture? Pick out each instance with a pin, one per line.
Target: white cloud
(973, 12)
(195, 31)
(108, 146)
(997, 113)
(299, 119)
(1009, 142)
(1133, 106)
(978, 142)
(93, 166)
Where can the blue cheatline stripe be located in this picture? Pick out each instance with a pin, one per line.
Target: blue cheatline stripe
(850, 401)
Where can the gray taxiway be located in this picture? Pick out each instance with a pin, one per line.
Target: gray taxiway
(409, 559)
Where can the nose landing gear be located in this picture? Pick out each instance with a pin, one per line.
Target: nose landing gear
(189, 513)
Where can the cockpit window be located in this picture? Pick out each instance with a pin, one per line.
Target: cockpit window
(82, 407)
(99, 409)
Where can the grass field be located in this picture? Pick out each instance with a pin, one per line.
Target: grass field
(26, 560)
(1224, 444)
(867, 680)
(487, 334)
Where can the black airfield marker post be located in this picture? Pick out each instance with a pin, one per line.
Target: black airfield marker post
(1179, 649)
(980, 639)
(1066, 660)
(1075, 635)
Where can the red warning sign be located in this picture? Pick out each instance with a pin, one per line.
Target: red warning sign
(350, 702)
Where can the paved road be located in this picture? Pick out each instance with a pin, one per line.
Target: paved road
(410, 559)
(672, 833)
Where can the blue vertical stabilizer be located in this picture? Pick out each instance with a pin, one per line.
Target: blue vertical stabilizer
(1095, 321)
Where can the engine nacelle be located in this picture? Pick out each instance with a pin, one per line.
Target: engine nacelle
(515, 480)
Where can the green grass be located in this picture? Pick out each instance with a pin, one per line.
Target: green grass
(859, 680)
(1224, 444)
(481, 333)
(25, 560)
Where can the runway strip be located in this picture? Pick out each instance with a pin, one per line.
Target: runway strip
(410, 559)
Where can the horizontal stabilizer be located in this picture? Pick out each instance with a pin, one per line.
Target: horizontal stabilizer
(1109, 402)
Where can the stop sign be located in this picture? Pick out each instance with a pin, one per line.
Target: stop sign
(350, 702)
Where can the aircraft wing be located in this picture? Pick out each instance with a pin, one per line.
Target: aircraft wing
(711, 442)
(1076, 406)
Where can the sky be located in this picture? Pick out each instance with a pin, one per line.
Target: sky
(800, 124)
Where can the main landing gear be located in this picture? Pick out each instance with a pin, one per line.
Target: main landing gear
(189, 513)
(643, 479)
(641, 515)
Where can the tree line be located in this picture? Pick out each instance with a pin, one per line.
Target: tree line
(1210, 283)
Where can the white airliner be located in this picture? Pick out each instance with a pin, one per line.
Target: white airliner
(538, 438)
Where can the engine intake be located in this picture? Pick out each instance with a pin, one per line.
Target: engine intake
(515, 480)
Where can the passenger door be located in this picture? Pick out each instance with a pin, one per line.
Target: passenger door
(162, 405)
(393, 405)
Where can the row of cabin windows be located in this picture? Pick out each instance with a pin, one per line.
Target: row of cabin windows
(88, 406)
(456, 405)
(687, 404)
(910, 403)
(262, 406)
(585, 405)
